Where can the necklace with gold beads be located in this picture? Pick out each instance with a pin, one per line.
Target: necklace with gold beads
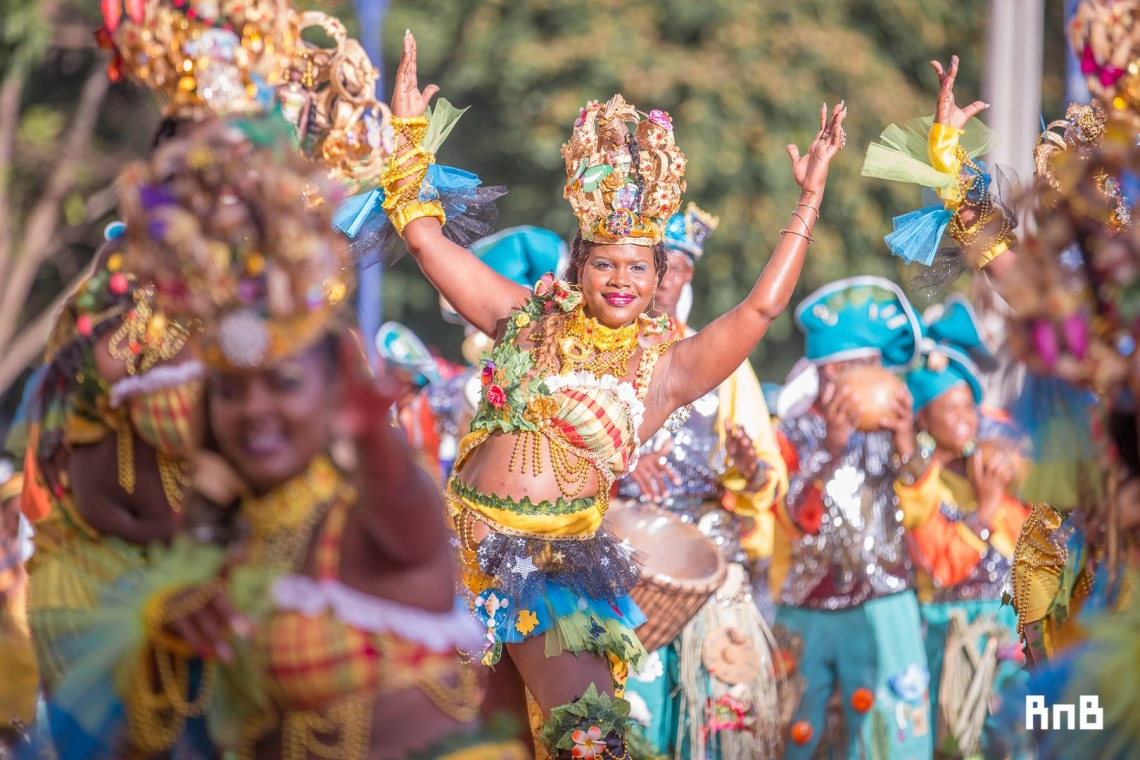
(587, 345)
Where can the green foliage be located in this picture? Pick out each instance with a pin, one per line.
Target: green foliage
(741, 78)
(24, 34)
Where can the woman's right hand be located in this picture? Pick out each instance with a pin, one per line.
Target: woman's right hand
(408, 100)
(990, 474)
(208, 628)
(948, 111)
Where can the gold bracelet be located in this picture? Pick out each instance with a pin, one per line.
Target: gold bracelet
(813, 208)
(808, 238)
(796, 214)
(399, 122)
(409, 212)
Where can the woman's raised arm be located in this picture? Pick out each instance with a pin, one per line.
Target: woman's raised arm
(478, 293)
(715, 352)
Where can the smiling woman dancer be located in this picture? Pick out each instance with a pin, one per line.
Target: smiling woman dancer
(571, 387)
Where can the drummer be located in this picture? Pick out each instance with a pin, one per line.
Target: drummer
(841, 573)
(722, 470)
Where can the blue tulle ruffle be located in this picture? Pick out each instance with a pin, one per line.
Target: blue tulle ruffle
(917, 234)
(470, 209)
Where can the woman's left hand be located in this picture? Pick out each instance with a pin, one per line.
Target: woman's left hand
(810, 169)
(407, 98)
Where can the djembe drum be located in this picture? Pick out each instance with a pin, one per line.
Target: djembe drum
(681, 568)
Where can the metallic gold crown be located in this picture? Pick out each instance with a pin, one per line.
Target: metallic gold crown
(227, 235)
(1105, 35)
(202, 57)
(205, 58)
(329, 95)
(624, 173)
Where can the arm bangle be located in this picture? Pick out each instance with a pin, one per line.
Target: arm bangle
(808, 205)
(409, 212)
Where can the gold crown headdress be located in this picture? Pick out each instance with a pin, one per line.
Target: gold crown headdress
(202, 57)
(224, 231)
(624, 173)
(225, 58)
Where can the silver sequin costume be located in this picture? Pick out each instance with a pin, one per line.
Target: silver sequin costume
(698, 459)
(859, 553)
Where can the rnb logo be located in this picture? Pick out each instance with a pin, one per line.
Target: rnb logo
(1091, 715)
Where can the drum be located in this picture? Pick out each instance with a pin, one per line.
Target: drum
(681, 568)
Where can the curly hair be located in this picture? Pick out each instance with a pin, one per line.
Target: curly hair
(547, 329)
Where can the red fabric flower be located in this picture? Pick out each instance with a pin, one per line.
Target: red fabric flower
(496, 396)
(487, 374)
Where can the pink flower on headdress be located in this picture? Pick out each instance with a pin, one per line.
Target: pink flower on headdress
(588, 745)
(581, 118)
(661, 119)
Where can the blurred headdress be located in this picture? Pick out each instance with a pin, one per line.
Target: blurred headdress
(859, 317)
(624, 173)
(687, 232)
(246, 58)
(1105, 36)
(224, 231)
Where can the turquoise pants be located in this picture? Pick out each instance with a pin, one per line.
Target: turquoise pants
(876, 646)
(652, 694)
(936, 621)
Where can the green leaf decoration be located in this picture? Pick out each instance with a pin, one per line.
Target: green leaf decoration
(583, 164)
(592, 709)
(441, 120)
(593, 177)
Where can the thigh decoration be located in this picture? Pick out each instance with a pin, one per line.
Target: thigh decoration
(547, 568)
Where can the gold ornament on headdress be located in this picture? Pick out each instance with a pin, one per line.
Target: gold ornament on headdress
(624, 173)
(202, 57)
(330, 98)
(1075, 138)
(224, 231)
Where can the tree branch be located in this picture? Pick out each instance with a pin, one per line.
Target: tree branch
(44, 219)
(10, 92)
(26, 348)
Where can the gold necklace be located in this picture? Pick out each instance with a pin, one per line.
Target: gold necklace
(587, 345)
(282, 522)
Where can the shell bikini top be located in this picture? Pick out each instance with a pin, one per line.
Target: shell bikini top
(595, 417)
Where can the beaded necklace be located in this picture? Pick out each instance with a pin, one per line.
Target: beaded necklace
(587, 345)
(281, 523)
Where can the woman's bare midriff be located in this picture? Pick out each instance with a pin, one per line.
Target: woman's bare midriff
(488, 468)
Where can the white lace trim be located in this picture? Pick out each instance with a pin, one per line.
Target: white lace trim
(620, 388)
(439, 631)
(157, 379)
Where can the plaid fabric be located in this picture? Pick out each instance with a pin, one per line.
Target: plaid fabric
(596, 421)
(314, 661)
(166, 419)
